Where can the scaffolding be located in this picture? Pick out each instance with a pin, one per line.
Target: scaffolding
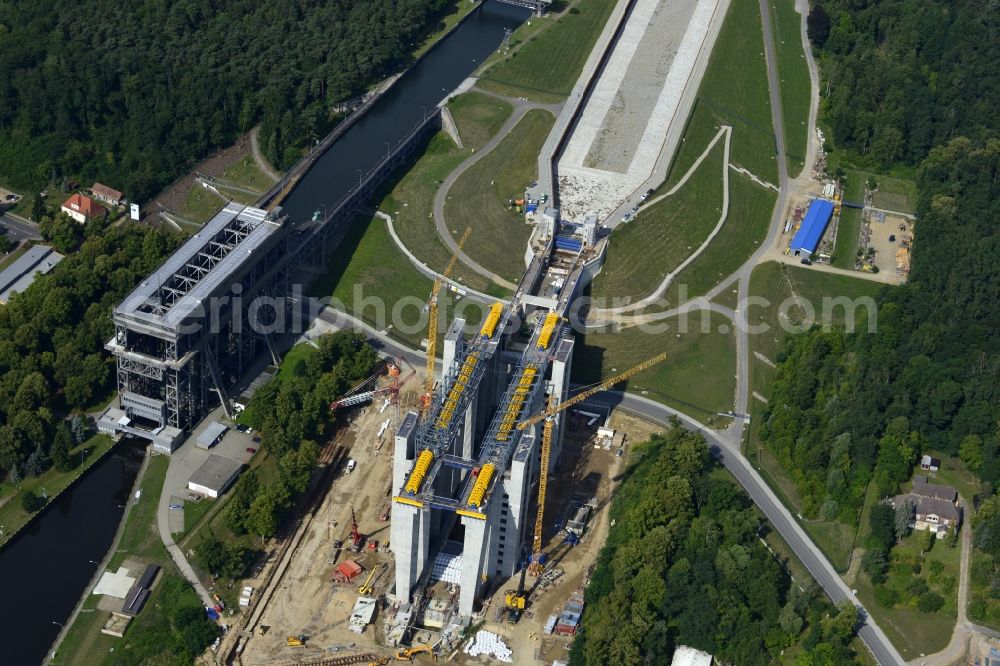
(189, 330)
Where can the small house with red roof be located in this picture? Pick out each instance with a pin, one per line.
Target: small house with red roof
(82, 208)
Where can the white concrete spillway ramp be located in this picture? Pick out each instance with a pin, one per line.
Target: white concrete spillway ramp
(639, 105)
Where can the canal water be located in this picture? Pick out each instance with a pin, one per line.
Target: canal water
(48, 565)
(401, 108)
(46, 569)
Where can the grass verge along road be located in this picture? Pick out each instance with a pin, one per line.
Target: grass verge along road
(697, 377)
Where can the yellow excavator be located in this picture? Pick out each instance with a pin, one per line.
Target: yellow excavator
(409, 653)
(296, 641)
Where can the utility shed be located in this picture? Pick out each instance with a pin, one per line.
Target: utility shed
(806, 239)
(215, 476)
(211, 435)
(346, 571)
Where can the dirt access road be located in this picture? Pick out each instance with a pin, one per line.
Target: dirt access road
(583, 471)
(306, 600)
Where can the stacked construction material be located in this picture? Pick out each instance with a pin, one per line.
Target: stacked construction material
(489, 644)
(569, 618)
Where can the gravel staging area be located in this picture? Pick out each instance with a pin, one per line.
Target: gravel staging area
(619, 136)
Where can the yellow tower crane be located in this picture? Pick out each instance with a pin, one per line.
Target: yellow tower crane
(536, 566)
(432, 321)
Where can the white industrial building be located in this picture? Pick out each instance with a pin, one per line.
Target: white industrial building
(214, 476)
(21, 274)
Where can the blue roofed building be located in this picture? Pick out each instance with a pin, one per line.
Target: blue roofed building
(807, 238)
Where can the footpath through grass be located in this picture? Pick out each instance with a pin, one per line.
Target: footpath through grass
(151, 638)
(13, 516)
(641, 253)
(546, 66)
(750, 207)
(734, 91)
(369, 263)
(245, 173)
(140, 539)
(698, 376)
(371, 277)
(796, 88)
(410, 203)
(141, 535)
(480, 196)
(201, 205)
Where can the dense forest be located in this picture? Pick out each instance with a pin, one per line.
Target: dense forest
(908, 83)
(52, 338)
(846, 409)
(293, 415)
(134, 93)
(684, 565)
(901, 77)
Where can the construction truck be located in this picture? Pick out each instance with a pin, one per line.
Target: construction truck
(296, 641)
(409, 653)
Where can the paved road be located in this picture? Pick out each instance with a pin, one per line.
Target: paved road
(428, 271)
(654, 296)
(726, 444)
(183, 462)
(19, 228)
(728, 453)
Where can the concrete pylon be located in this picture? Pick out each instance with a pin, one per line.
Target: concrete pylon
(411, 530)
(473, 566)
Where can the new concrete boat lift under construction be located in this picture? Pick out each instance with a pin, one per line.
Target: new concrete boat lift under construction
(464, 470)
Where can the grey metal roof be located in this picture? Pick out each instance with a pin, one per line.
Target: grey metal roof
(212, 432)
(19, 275)
(148, 291)
(216, 473)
